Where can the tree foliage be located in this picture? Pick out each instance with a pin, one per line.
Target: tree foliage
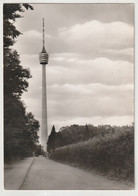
(30, 133)
(20, 129)
(51, 143)
(11, 12)
(78, 133)
(14, 74)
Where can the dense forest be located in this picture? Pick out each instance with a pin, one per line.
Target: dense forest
(20, 127)
(104, 148)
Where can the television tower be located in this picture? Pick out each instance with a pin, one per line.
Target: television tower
(43, 57)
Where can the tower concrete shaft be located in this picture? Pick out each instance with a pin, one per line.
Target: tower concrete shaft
(44, 131)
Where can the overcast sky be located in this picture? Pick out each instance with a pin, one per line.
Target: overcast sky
(90, 74)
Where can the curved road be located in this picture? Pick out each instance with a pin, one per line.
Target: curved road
(44, 174)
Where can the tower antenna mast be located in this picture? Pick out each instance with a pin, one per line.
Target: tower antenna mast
(43, 33)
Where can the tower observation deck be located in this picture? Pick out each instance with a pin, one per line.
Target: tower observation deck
(43, 57)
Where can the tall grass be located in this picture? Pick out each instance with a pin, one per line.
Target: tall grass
(112, 154)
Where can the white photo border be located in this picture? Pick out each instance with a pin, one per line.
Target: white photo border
(68, 192)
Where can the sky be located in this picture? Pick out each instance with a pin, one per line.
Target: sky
(90, 74)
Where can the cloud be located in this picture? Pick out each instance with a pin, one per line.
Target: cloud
(93, 103)
(92, 39)
(98, 34)
(99, 70)
(34, 34)
(126, 51)
(85, 100)
(70, 68)
(30, 42)
(84, 103)
(92, 88)
(126, 54)
(90, 100)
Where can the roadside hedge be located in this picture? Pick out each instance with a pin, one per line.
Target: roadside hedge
(112, 155)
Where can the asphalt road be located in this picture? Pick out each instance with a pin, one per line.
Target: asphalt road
(43, 174)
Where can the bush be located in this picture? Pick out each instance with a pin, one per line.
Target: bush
(111, 154)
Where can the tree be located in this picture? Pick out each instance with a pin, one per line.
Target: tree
(30, 134)
(17, 133)
(87, 133)
(14, 124)
(14, 74)
(11, 12)
(51, 143)
(39, 150)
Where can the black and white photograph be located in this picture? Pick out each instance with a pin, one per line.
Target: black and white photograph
(68, 96)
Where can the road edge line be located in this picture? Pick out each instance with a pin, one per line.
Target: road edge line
(21, 186)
